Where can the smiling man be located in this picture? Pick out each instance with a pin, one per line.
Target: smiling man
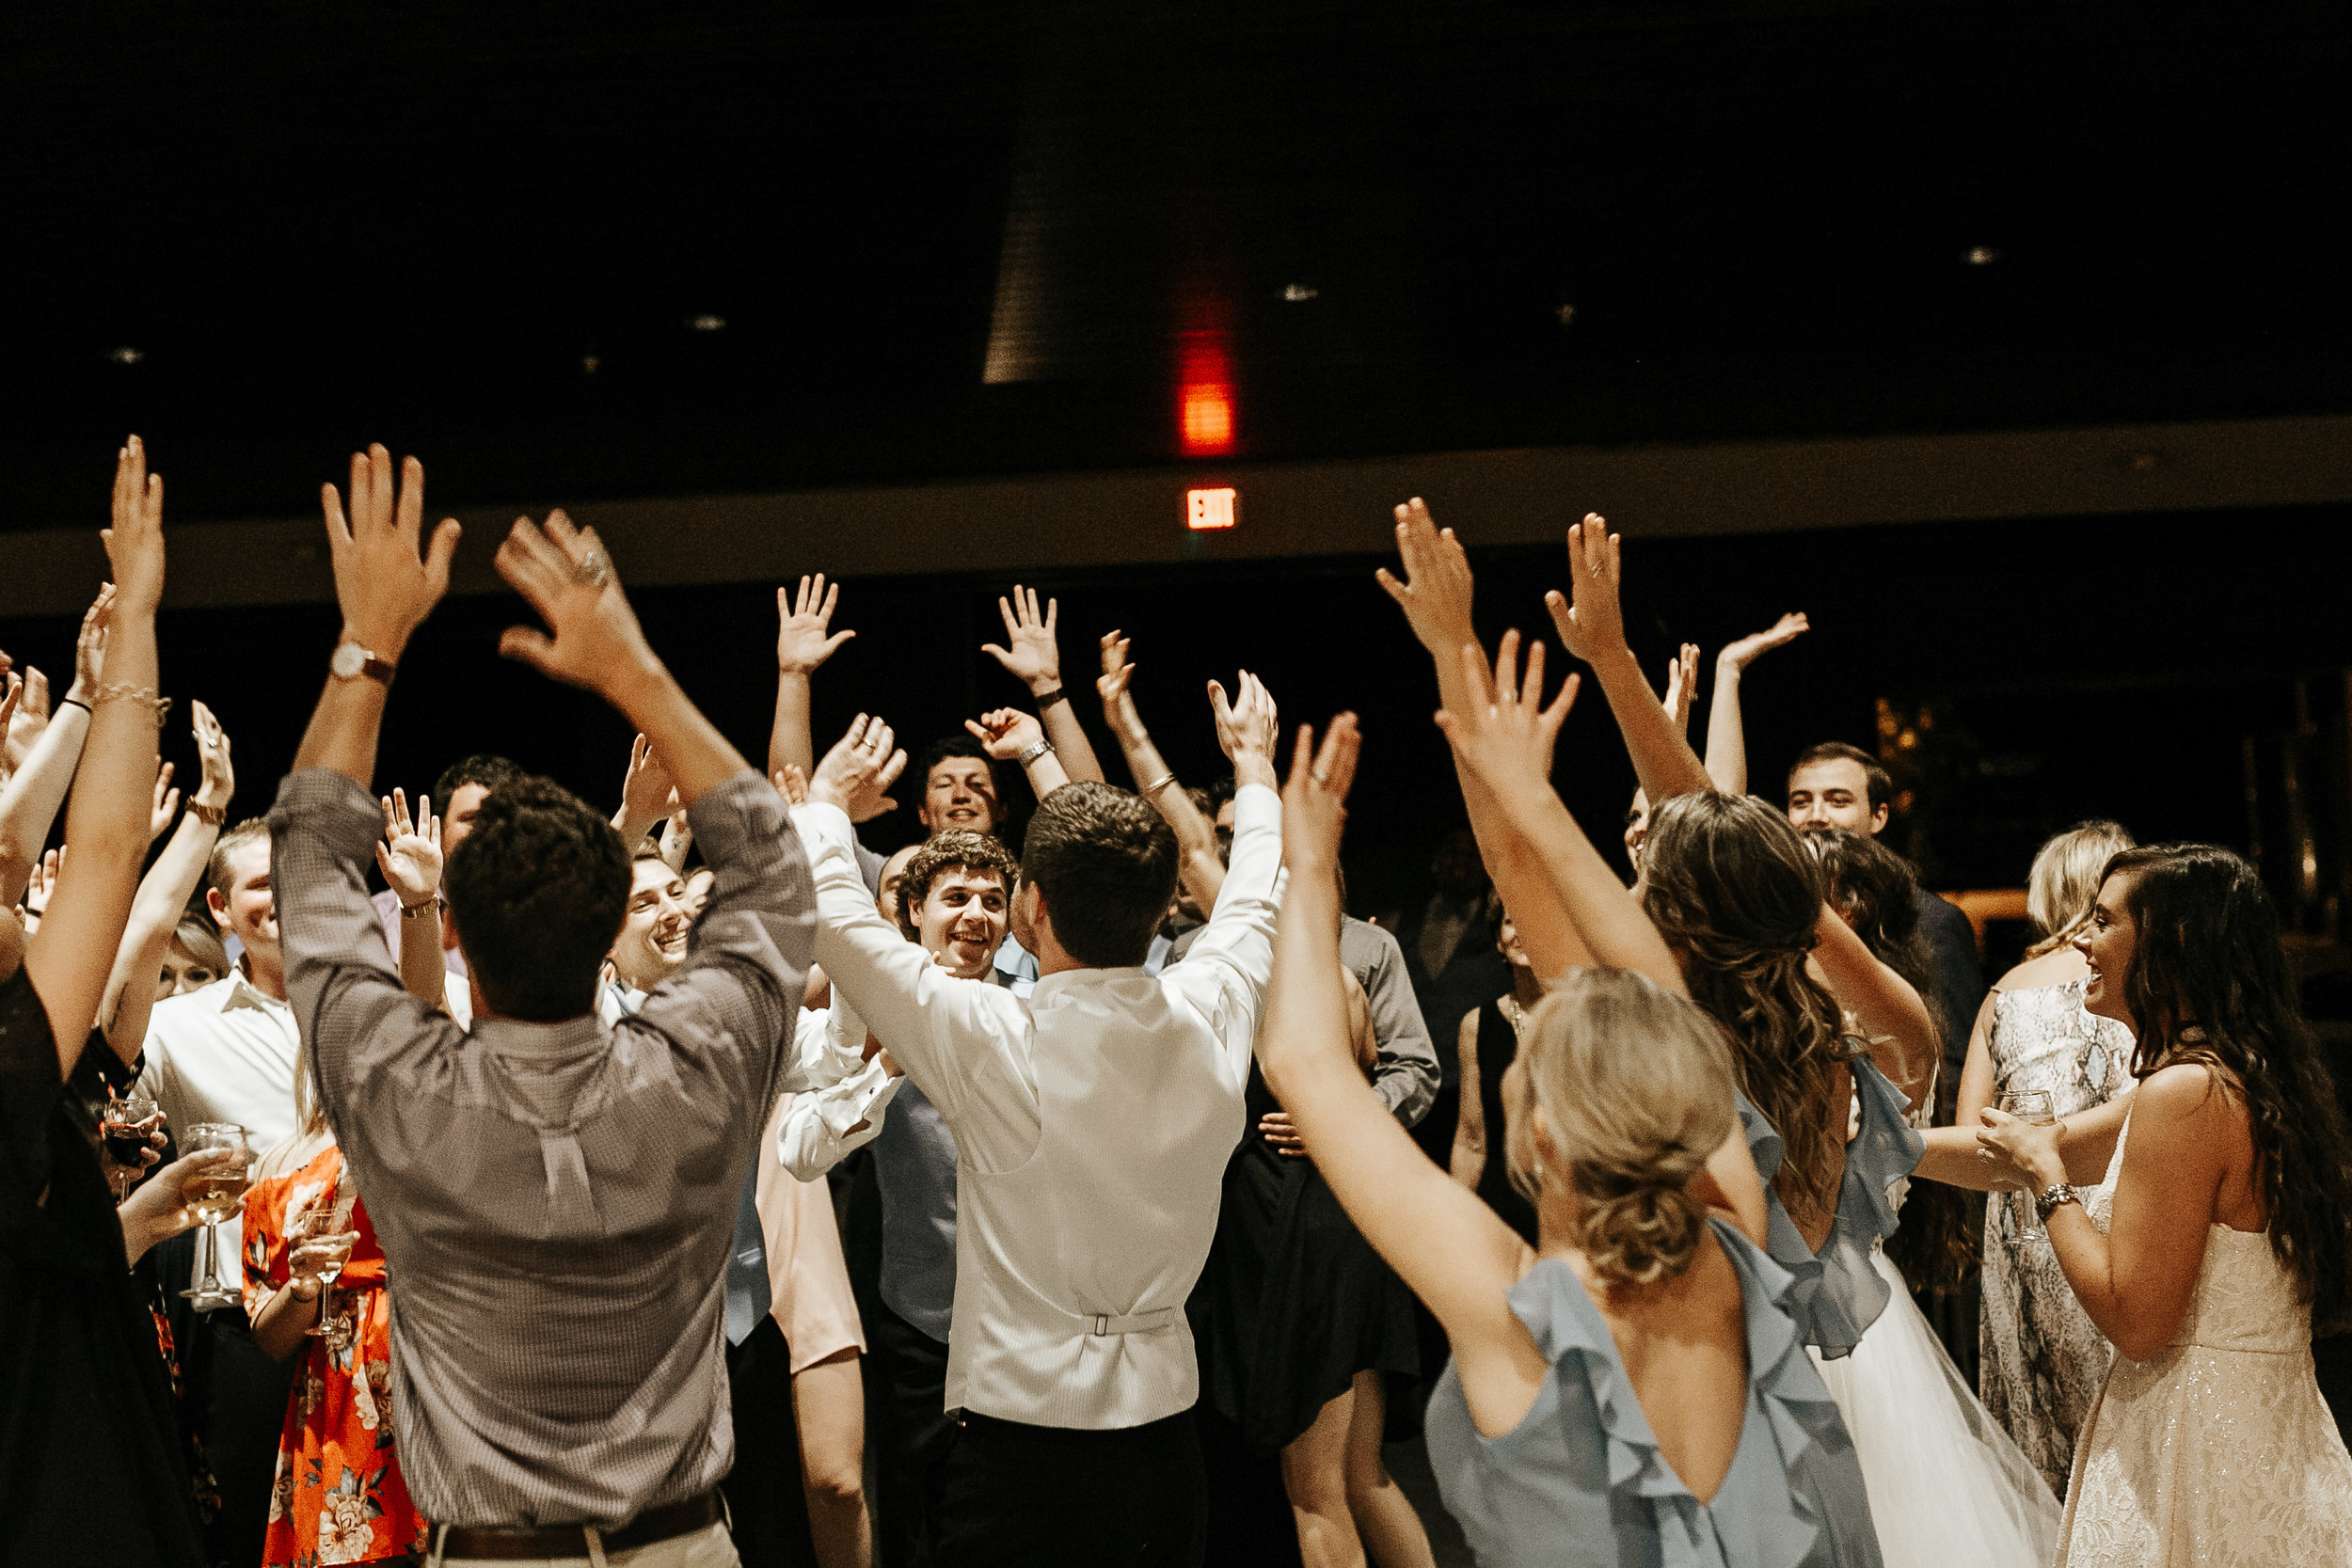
(652, 943)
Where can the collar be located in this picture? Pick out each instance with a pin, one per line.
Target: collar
(546, 1042)
(242, 993)
(1051, 985)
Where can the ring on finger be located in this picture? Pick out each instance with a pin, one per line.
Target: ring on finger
(593, 569)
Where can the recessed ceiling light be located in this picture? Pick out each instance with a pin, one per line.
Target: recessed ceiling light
(1299, 293)
(1982, 256)
(706, 323)
(588, 363)
(1564, 313)
(126, 354)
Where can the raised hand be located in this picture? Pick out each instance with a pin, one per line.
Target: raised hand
(1435, 591)
(1592, 625)
(43, 882)
(30, 716)
(90, 646)
(1505, 735)
(1007, 732)
(166, 806)
(134, 542)
(1118, 709)
(1249, 728)
(1737, 656)
(1033, 656)
(385, 587)
(646, 793)
(802, 642)
(1314, 800)
(218, 784)
(410, 855)
(1682, 680)
(859, 770)
(564, 573)
(791, 784)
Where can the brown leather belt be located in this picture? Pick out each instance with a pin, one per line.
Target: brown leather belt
(561, 1540)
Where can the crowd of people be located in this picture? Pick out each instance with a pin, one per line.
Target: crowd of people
(693, 1184)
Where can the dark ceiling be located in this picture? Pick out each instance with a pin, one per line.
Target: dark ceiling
(262, 233)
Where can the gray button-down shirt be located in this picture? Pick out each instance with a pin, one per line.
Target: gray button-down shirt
(554, 1199)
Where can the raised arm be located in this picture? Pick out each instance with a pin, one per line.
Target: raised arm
(410, 858)
(1201, 868)
(1033, 656)
(1012, 734)
(1726, 732)
(564, 573)
(1435, 594)
(804, 639)
(70, 956)
(1592, 627)
(1449, 1247)
(1903, 1039)
(1504, 736)
(163, 893)
(29, 801)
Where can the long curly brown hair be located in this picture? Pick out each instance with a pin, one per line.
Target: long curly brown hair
(1733, 892)
(2208, 983)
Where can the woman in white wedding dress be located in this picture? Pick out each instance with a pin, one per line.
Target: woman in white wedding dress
(2224, 1226)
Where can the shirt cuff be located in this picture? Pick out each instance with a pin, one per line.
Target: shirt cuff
(330, 807)
(741, 810)
(861, 1098)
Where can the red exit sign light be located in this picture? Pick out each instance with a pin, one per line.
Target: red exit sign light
(1208, 509)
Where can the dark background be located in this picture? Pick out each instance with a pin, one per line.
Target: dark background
(487, 234)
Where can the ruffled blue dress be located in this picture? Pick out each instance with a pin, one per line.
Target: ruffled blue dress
(1580, 1482)
(1836, 1294)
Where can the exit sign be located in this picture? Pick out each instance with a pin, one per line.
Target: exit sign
(1208, 509)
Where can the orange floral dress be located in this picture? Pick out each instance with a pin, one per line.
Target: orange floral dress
(339, 1496)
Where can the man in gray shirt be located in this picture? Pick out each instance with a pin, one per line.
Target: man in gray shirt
(554, 1194)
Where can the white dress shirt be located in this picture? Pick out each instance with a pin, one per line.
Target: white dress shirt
(820, 1127)
(1093, 1122)
(225, 1053)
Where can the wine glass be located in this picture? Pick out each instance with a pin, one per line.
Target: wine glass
(216, 1195)
(2028, 1105)
(124, 1129)
(318, 1241)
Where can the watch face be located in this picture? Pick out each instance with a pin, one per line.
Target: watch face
(350, 658)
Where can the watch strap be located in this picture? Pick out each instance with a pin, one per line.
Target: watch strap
(2054, 1197)
(1047, 699)
(1034, 751)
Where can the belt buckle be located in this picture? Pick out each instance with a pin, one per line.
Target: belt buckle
(1102, 1323)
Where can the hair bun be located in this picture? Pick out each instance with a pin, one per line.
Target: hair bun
(1641, 1222)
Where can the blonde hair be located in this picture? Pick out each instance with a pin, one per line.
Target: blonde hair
(2064, 882)
(1635, 1086)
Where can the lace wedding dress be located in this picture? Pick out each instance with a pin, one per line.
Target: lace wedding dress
(2218, 1451)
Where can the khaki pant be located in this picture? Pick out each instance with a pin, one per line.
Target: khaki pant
(702, 1548)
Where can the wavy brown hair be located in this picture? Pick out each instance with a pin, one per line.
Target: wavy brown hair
(2208, 983)
(1733, 892)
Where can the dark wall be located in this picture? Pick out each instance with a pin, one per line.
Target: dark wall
(2103, 667)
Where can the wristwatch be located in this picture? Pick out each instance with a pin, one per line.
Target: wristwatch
(351, 661)
(1034, 751)
(433, 905)
(2051, 1199)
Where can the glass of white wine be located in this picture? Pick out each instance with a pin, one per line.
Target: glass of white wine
(2028, 1105)
(215, 1195)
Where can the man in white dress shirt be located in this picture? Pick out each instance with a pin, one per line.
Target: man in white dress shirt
(1092, 1121)
(225, 1052)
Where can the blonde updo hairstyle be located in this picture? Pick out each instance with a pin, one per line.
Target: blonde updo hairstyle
(1635, 1088)
(2063, 886)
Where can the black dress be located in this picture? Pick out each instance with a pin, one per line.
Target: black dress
(1497, 1048)
(90, 1464)
(1294, 1302)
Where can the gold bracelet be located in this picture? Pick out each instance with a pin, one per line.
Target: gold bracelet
(212, 815)
(1162, 781)
(124, 691)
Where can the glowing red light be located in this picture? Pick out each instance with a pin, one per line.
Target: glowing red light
(1204, 382)
(1208, 420)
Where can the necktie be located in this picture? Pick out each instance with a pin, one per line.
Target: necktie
(748, 1295)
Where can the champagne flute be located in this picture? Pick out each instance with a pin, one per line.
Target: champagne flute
(122, 1129)
(318, 1246)
(2033, 1106)
(216, 1195)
